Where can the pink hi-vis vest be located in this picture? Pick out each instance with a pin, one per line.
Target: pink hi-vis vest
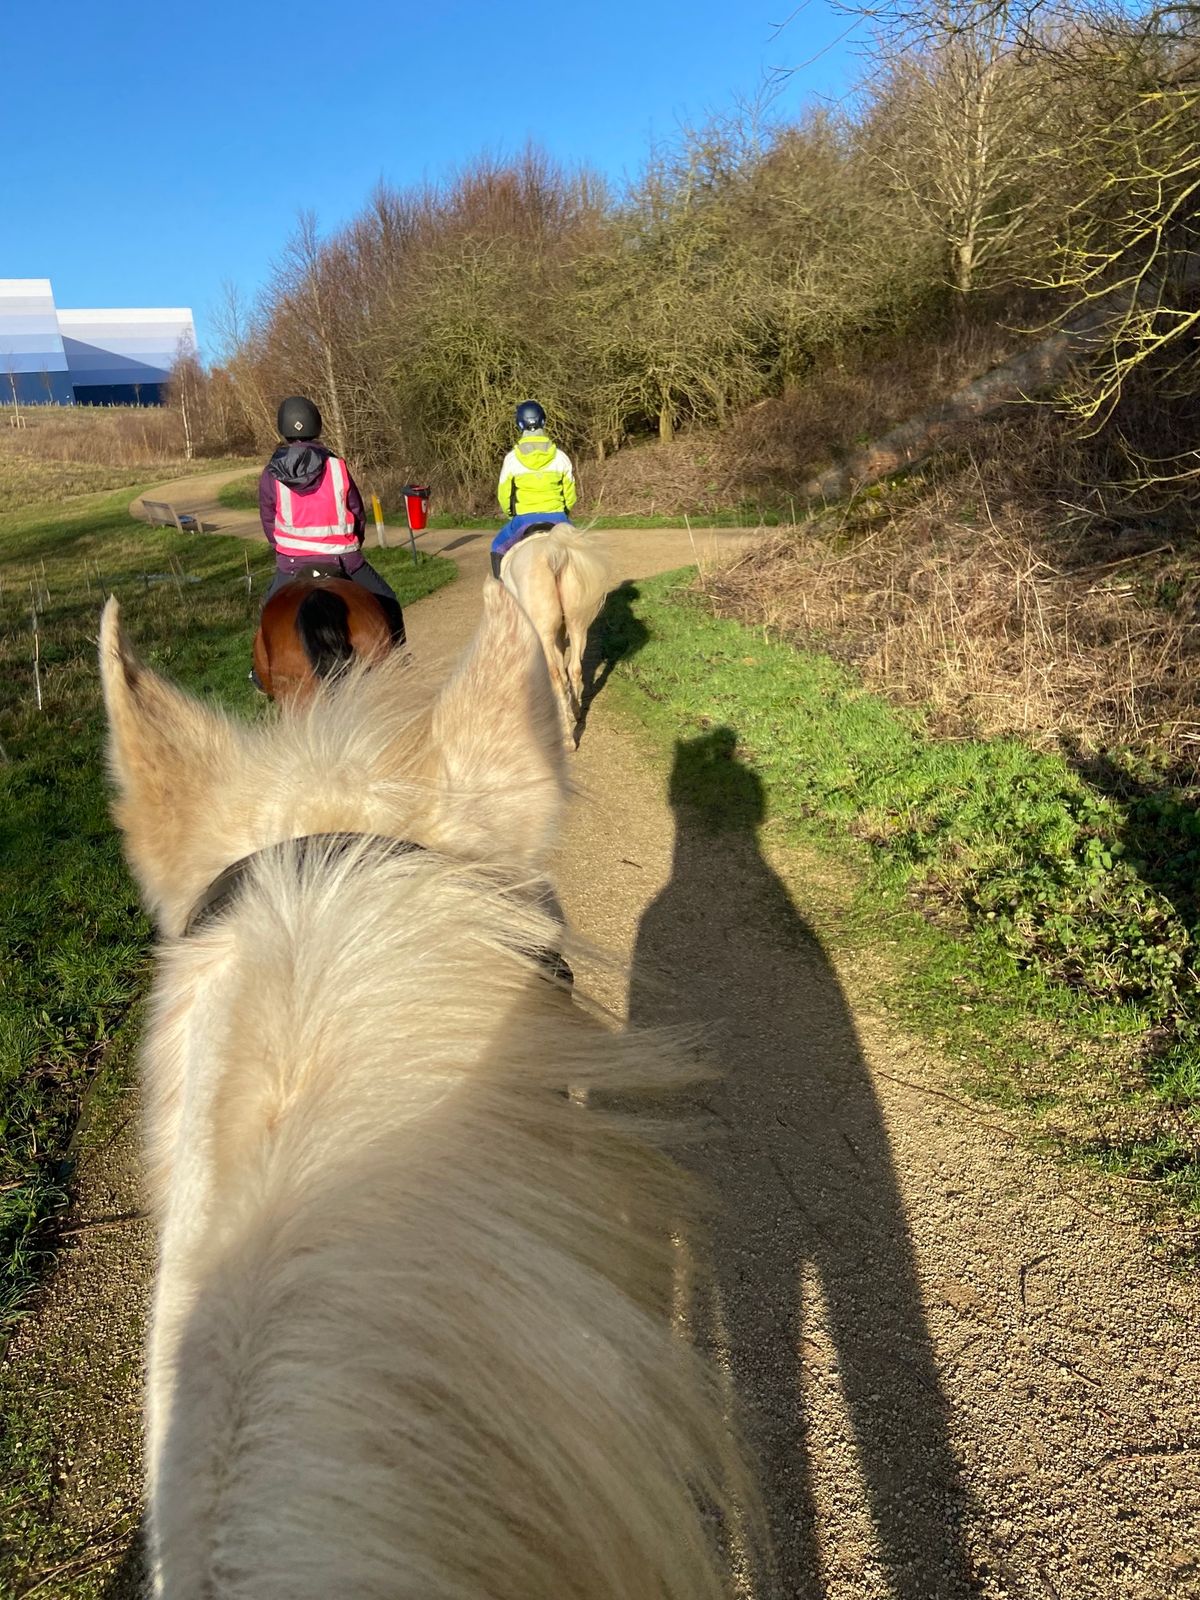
(316, 526)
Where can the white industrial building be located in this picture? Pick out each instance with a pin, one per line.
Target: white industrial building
(108, 357)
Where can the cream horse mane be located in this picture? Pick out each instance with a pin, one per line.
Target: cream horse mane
(410, 1331)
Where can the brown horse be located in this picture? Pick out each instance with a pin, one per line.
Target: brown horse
(313, 628)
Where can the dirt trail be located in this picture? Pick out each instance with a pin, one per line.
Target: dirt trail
(198, 494)
(960, 1380)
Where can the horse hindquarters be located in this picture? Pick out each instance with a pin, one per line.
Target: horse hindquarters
(312, 629)
(582, 578)
(560, 579)
(531, 576)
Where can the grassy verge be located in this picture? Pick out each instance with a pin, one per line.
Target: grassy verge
(72, 939)
(240, 494)
(27, 479)
(1041, 930)
(729, 517)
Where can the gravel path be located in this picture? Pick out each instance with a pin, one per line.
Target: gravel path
(961, 1380)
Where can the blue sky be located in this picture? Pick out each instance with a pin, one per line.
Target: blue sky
(162, 149)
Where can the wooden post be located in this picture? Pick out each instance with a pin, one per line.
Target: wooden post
(37, 656)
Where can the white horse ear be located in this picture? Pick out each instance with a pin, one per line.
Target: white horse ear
(166, 751)
(498, 734)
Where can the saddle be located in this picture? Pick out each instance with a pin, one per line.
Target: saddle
(319, 570)
(504, 543)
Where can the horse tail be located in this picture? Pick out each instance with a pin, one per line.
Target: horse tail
(582, 571)
(323, 624)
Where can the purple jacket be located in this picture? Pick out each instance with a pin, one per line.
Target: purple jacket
(301, 467)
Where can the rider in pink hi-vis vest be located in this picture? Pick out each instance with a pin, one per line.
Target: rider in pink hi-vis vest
(312, 513)
(316, 526)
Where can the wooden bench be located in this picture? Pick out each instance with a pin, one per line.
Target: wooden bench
(161, 515)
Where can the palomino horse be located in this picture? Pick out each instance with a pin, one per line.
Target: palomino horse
(411, 1329)
(314, 628)
(561, 578)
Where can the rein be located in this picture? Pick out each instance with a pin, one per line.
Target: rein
(228, 884)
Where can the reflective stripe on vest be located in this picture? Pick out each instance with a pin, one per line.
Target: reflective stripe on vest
(333, 535)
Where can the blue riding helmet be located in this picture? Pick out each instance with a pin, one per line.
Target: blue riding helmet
(530, 416)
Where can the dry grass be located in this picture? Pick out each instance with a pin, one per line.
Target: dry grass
(766, 455)
(977, 593)
(61, 452)
(110, 436)
(25, 480)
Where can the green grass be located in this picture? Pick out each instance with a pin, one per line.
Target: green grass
(1044, 931)
(72, 938)
(240, 494)
(730, 517)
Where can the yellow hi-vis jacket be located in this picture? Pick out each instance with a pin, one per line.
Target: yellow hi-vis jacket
(536, 476)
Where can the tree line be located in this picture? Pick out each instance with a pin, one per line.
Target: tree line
(1026, 162)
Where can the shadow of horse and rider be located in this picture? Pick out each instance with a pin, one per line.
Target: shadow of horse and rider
(807, 1203)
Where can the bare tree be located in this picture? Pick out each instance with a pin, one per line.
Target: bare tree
(1131, 242)
(10, 370)
(967, 134)
(240, 347)
(305, 282)
(186, 388)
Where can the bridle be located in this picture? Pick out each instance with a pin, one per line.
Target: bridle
(227, 885)
(225, 888)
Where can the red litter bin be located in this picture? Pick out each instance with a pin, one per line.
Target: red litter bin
(416, 505)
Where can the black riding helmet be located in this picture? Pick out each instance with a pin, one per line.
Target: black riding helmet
(530, 416)
(298, 418)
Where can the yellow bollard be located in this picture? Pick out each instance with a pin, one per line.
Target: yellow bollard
(378, 519)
